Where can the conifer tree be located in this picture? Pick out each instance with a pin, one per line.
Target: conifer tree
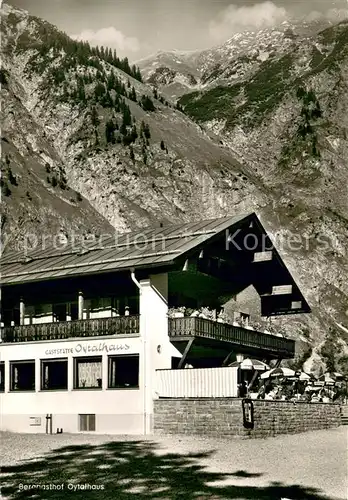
(81, 95)
(131, 153)
(117, 105)
(138, 75)
(99, 90)
(125, 66)
(110, 132)
(127, 139)
(94, 117)
(144, 155)
(126, 115)
(134, 133)
(12, 178)
(123, 129)
(111, 80)
(106, 100)
(147, 104)
(133, 95)
(147, 132)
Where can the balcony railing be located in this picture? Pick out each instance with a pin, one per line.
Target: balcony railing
(120, 325)
(200, 327)
(127, 325)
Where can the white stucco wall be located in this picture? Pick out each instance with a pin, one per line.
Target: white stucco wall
(157, 348)
(117, 411)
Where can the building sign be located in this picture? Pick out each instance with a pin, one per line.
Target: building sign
(89, 348)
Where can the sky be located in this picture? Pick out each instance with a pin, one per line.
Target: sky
(138, 28)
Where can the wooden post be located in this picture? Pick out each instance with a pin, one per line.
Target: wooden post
(21, 311)
(126, 307)
(225, 361)
(183, 359)
(80, 305)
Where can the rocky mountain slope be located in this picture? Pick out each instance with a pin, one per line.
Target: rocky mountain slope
(36, 199)
(176, 73)
(122, 155)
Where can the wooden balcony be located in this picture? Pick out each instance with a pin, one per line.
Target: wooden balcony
(120, 325)
(179, 329)
(254, 341)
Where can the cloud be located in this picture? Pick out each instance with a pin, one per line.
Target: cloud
(235, 19)
(110, 37)
(333, 15)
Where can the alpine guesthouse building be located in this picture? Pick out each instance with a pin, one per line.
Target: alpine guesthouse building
(87, 343)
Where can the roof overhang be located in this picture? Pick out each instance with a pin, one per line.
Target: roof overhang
(235, 250)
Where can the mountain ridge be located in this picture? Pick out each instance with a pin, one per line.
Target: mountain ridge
(177, 72)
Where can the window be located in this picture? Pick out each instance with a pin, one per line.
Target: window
(7, 316)
(74, 311)
(22, 375)
(124, 372)
(88, 372)
(87, 422)
(15, 317)
(296, 304)
(60, 312)
(133, 304)
(54, 374)
(2, 376)
(100, 304)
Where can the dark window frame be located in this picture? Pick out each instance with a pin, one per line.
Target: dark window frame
(2, 376)
(42, 368)
(12, 367)
(90, 421)
(123, 385)
(84, 359)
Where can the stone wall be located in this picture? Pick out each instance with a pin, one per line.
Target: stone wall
(218, 417)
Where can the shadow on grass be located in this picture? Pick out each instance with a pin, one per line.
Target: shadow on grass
(133, 469)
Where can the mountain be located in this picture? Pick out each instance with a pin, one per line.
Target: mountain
(176, 73)
(90, 147)
(173, 72)
(155, 160)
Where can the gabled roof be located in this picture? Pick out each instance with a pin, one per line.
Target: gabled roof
(171, 247)
(151, 247)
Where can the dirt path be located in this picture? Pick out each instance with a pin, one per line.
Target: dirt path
(308, 466)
